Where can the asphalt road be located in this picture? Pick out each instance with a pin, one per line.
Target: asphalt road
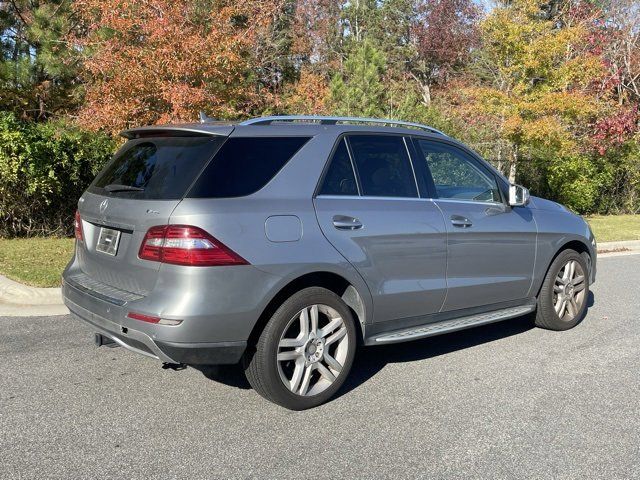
(501, 401)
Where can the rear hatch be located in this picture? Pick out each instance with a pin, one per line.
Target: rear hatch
(138, 189)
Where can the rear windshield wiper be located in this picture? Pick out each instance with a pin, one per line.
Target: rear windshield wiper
(115, 187)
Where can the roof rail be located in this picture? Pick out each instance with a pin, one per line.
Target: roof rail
(324, 120)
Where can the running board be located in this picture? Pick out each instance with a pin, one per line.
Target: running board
(446, 326)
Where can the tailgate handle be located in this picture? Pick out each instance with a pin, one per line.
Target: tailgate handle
(343, 222)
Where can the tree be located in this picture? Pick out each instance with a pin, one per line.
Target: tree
(163, 60)
(38, 74)
(359, 90)
(317, 37)
(274, 65)
(307, 96)
(444, 32)
(539, 83)
(622, 48)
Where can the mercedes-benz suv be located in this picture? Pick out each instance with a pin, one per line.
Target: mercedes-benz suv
(283, 243)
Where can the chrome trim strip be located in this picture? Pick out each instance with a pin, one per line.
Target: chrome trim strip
(471, 202)
(370, 197)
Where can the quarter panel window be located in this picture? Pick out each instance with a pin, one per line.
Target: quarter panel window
(339, 179)
(244, 165)
(457, 176)
(383, 166)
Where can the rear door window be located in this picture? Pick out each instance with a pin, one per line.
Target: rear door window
(383, 166)
(244, 165)
(156, 168)
(340, 179)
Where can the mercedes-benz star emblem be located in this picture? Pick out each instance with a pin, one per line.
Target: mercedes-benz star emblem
(103, 205)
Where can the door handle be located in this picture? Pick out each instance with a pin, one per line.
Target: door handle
(343, 222)
(460, 221)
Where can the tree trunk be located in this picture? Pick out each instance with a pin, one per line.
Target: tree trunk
(426, 94)
(512, 167)
(499, 158)
(425, 89)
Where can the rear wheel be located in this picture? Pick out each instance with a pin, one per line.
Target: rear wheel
(305, 352)
(562, 301)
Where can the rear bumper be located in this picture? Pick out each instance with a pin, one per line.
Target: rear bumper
(217, 353)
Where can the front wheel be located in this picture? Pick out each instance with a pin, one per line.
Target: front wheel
(562, 301)
(305, 352)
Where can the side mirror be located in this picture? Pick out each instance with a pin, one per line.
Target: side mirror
(518, 196)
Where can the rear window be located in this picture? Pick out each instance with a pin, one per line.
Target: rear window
(244, 165)
(156, 168)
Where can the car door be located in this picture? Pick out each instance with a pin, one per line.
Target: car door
(490, 246)
(368, 207)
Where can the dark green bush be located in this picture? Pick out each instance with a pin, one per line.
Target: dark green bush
(44, 168)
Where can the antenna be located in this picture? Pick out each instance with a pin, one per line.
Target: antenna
(204, 118)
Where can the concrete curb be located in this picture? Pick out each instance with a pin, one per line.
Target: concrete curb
(17, 293)
(627, 244)
(18, 300)
(15, 310)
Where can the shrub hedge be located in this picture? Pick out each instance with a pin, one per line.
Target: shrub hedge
(44, 168)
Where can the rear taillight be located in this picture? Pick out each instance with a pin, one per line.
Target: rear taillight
(186, 245)
(77, 226)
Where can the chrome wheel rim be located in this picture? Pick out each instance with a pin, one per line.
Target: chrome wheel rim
(312, 350)
(569, 290)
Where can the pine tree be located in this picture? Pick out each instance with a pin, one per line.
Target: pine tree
(360, 90)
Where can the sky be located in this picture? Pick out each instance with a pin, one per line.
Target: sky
(486, 4)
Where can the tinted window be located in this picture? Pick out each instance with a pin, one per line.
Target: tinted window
(156, 168)
(456, 175)
(383, 166)
(339, 179)
(244, 165)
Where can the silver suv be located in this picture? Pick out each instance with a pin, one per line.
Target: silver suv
(285, 242)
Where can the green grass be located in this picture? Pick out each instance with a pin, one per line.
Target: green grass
(35, 261)
(610, 228)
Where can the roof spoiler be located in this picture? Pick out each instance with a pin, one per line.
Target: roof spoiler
(177, 131)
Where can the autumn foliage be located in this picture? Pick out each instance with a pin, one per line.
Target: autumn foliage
(548, 91)
(160, 61)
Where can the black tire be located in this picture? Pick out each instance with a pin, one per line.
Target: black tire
(261, 367)
(546, 316)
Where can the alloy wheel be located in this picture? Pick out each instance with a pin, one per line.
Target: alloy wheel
(569, 290)
(312, 350)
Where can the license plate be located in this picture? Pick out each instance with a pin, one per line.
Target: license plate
(108, 241)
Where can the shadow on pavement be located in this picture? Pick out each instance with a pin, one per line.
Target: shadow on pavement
(231, 375)
(369, 361)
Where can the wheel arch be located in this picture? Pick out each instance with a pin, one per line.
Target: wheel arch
(325, 279)
(577, 245)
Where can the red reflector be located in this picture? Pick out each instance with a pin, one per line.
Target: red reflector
(77, 226)
(143, 318)
(186, 245)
